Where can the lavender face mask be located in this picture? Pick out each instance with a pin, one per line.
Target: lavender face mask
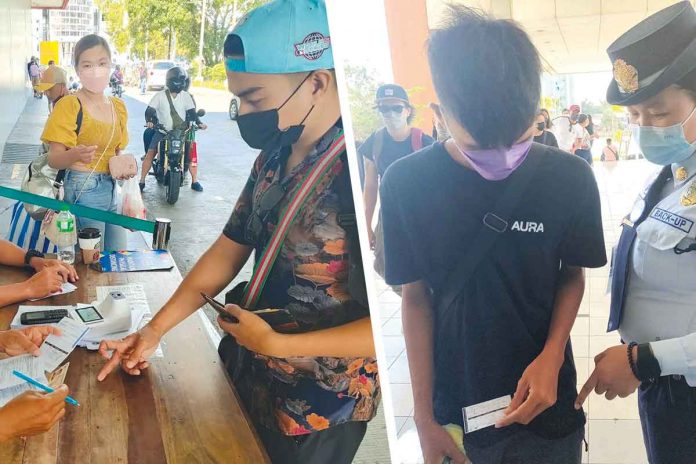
(497, 163)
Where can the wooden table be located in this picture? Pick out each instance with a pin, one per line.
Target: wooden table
(183, 409)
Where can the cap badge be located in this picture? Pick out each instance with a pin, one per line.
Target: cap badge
(313, 46)
(681, 174)
(626, 76)
(688, 198)
(389, 92)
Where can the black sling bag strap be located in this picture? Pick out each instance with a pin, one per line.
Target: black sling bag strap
(495, 223)
(78, 125)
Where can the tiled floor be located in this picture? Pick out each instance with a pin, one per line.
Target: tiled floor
(613, 430)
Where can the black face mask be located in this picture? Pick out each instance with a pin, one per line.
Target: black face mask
(541, 126)
(260, 129)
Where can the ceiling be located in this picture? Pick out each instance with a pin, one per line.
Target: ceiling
(571, 35)
(49, 4)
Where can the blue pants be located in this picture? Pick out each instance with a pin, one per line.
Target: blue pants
(98, 193)
(668, 416)
(584, 154)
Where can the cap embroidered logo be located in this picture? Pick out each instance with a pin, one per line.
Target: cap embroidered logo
(626, 76)
(389, 93)
(313, 46)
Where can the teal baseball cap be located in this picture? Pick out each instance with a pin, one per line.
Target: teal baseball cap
(281, 37)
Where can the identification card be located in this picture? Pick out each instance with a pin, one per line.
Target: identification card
(482, 415)
(56, 348)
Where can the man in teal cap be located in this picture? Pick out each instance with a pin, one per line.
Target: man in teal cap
(309, 393)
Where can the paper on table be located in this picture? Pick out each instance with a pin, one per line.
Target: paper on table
(26, 364)
(137, 300)
(57, 347)
(11, 385)
(65, 288)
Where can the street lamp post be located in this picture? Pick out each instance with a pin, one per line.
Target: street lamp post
(199, 77)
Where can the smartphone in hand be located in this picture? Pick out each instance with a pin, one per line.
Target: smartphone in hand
(220, 308)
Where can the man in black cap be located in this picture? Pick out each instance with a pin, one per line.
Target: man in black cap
(654, 267)
(390, 143)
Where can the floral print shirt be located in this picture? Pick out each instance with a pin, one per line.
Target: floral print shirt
(299, 396)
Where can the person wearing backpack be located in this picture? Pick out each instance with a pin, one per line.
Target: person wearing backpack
(173, 107)
(309, 393)
(488, 233)
(387, 145)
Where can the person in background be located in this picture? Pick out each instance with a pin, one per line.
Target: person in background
(32, 412)
(541, 133)
(103, 134)
(35, 75)
(563, 131)
(73, 85)
(505, 326)
(142, 74)
(654, 263)
(547, 118)
(49, 275)
(51, 63)
(581, 145)
(309, 394)
(387, 145)
(610, 152)
(591, 130)
(172, 102)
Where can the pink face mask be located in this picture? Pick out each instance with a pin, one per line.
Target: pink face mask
(497, 163)
(95, 79)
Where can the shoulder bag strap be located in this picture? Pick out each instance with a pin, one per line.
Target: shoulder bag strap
(60, 177)
(177, 122)
(313, 177)
(494, 224)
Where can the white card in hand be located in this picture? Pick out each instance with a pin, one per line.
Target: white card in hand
(57, 347)
(482, 415)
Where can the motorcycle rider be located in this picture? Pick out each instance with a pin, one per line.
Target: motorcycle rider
(173, 107)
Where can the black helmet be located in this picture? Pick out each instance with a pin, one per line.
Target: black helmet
(176, 79)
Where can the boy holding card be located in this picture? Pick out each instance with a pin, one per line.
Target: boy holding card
(488, 233)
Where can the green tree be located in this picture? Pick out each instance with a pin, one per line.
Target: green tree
(361, 94)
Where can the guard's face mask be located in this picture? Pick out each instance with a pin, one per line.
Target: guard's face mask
(664, 145)
(260, 129)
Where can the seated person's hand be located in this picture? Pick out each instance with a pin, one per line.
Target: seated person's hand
(65, 270)
(32, 413)
(44, 283)
(131, 352)
(28, 340)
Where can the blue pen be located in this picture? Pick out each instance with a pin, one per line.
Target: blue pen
(43, 387)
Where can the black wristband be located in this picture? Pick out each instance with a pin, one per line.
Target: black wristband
(32, 254)
(647, 364)
(631, 361)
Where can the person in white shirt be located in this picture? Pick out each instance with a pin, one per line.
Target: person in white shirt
(581, 145)
(176, 114)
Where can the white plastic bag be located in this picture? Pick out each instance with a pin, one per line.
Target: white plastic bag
(132, 204)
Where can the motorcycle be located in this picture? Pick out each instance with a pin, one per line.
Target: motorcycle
(116, 88)
(173, 158)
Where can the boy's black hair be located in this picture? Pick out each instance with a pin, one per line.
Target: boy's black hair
(487, 75)
(608, 141)
(582, 117)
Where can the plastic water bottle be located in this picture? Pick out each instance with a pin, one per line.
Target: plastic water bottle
(66, 236)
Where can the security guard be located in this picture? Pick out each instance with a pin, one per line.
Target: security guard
(653, 278)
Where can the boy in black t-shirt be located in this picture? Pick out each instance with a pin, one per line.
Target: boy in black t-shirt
(507, 332)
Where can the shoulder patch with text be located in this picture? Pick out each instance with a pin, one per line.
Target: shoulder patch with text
(672, 219)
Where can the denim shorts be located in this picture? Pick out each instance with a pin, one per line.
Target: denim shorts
(98, 193)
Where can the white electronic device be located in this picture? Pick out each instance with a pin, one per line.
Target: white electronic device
(110, 316)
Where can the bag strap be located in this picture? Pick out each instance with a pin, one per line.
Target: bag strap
(177, 122)
(416, 139)
(495, 223)
(60, 177)
(314, 176)
(377, 146)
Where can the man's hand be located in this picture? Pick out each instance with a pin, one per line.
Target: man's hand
(253, 333)
(28, 340)
(83, 153)
(131, 352)
(150, 124)
(437, 444)
(612, 375)
(44, 283)
(66, 271)
(203, 126)
(536, 391)
(371, 238)
(32, 413)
